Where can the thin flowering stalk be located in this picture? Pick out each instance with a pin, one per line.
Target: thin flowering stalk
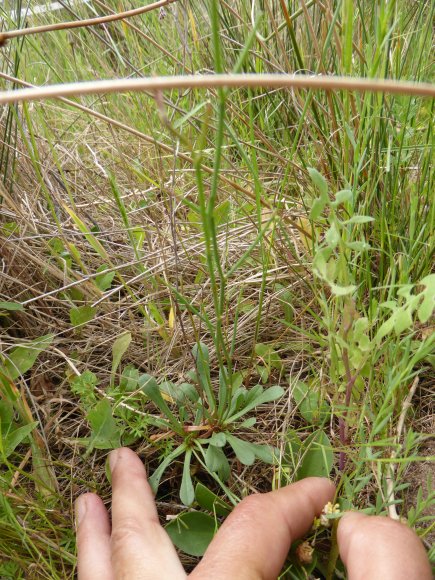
(283, 81)
(5, 36)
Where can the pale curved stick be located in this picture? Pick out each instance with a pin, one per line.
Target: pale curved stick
(283, 81)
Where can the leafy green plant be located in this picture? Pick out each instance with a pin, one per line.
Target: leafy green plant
(269, 359)
(10, 307)
(81, 314)
(12, 367)
(199, 424)
(311, 405)
(193, 531)
(12, 433)
(205, 423)
(355, 341)
(22, 357)
(312, 456)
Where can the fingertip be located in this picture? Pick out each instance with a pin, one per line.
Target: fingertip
(324, 482)
(350, 519)
(80, 507)
(93, 538)
(395, 549)
(120, 454)
(320, 490)
(349, 522)
(86, 503)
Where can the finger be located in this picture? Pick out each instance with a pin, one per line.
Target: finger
(379, 548)
(255, 539)
(93, 539)
(141, 549)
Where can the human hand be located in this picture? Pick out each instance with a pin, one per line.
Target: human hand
(252, 543)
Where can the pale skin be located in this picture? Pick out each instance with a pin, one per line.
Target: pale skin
(252, 543)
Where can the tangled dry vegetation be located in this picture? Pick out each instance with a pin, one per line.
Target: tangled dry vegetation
(173, 253)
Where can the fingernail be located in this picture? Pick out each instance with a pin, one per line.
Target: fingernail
(113, 458)
(80, 510)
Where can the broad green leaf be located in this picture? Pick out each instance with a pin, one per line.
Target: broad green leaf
(317, 208)
(129, 379)
(217, 462)
(263, 373)
(364, 343)
(312, 409)
(390, 304)
(264, 453)
(17, 436)
(385, 328)
(6, 416)
(210, 501)
(402, 320)
(218, 440)
(359, 327)
(251, 394)
(168, 390)
(267, 396)
(104, 279)
(405, 290)
(151, 389)
(318, 180)
(138, 237)
(332, 236)
(192, 532)
(11, 306)
(248, 423)
(359, 219)
(105, 432)
(286, 300)
(119, 347)
(331, 270)
(342, 290)
(186, 392)
(318, 456)
(245, 451)
(187, 493)
(427, 306)
(238, 399)
(81, 314)
(22, 358)
(429, 282)
(358, 246)
(237, 379)
(342, 196)
(201, 356)
(268, 355)
(320, 263)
